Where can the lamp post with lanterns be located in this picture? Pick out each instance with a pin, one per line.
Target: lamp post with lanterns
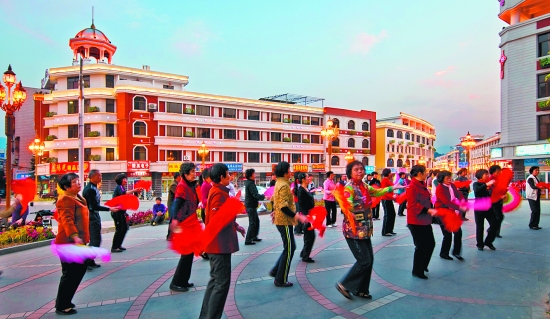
(422, 160)
(349, 157)
(203, 152)
(10, 102)
(330, 133)
(37, 148)
(468, 143)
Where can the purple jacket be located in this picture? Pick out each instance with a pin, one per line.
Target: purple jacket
(329, 186)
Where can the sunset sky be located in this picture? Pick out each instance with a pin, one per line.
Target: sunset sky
(434, 59)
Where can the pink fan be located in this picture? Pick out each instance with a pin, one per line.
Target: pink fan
(512, 200)
(269, 192)
(79, 253)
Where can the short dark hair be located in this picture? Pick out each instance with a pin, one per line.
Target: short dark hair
(329, 173)
(416, 169)
(369, 174)
(374, 173)
(533, 168)
(435, 172)
(186, 167)
(386, 172)
(299, 177)
(349, 167)
(480, 172)
(119, 178)
(281, 169)
(441, 176)
(205, 173)
(176, 175)
(462, 170)
(158, 198)
(402, 174)
(66, 180)
(494, 168)
(92, 173)
(218, 171)
(248, 173)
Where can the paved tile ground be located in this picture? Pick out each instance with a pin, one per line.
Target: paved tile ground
(511, 282)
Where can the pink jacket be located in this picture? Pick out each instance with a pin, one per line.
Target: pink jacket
(329, 186)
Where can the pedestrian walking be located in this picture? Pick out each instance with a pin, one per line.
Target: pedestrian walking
(251, 200)
(481, 191)
(307, 202)
(387, 203)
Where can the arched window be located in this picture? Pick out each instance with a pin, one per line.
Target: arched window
(399, 134)
(351, 125)
(407, 136)
(140, 103)
(399, 163)
(390, 162)
(365, 126)
(365, 161)
(335, 161)
(140, 128)
(335, 123)
(140, 153)
(365, 143)
(336, 142)
(351, 143)
(390, 133)
(392, 148)
(388, 147)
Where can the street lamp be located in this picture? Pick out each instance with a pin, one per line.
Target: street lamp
(330, 133)
(37, 148)
(468, 142)
(422, 160)
(349, 157)
(10, 104)
(203, 152)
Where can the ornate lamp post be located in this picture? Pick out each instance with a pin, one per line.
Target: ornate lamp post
(330, 133)
(468, 142)
(349, 157)
(422, 160)
(10, 104)
(37, 148)
(203, 152)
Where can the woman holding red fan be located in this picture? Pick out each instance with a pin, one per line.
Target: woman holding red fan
(121, 226)
(306, 203)
(481, 190)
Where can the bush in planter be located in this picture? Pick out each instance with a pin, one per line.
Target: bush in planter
(25, 234)
(336, 150)
(392, 155)
(286, 120)
(51, 137)
(401, 143)
(305, 122)
(392, 141)
(400, 156)
(140, 218)
(366, 151)
(95, 157)
(429, 147)
(93, 109)
(421, 145)
(189, 134)
(410, 156)
(51, 160)
(94, 134)
(352, 132)
(50, 114)
(189, 111)
(305, 140)
(410, 143)
(366, 133)
(286, 139)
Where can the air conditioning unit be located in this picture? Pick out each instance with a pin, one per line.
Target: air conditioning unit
(152, 106)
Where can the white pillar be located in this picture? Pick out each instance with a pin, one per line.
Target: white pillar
(515, 17)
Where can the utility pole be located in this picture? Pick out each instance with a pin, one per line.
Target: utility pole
(81, 125)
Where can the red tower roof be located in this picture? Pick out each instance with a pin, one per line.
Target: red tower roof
(92, 43)
(92, 33)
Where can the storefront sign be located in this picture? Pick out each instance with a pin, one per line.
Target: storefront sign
(535, 161)
(527, 150)
(496, 152)
(198, 167)
(300, 168)
(235, 167)
(369, 169)
(67, 167)
(174, 167)
(462, 164)
(139, 174)
(318, 167)
(137, 166)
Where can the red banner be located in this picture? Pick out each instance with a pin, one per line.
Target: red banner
(67, 167)
(137, 166)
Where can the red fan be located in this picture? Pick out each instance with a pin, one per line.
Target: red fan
(27, 189)
(340, 196)
(124, 202)
(400, 199)
(186, 238)
(225, 215)
(542, 185)
(500, 188)
(464, 184)
(450, 219)
(316, 217)
(511, 201)
(146, 185)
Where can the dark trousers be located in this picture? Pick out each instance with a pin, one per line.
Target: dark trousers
(218, 286)
(358, 277)
(535, 212)
(376, 211)
(299, 229)
(121, 228)
(183, 271)
(169, 231)
(158, 219)
(465, 193)
(282, 266)
(389, 217)
(402, 208)
(203, 215)
(480, 227)
(309, 240)
(253, 224)
(95, 229)
(330, 206)
(447, 238)
(497, 208)
(424, 242)
(71, 276)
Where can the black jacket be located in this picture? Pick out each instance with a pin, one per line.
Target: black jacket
(93, 198)
(481, 191)
(375, 181)
(251, 196)
(305, 199)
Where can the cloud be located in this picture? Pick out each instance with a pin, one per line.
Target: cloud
(191, 38)
(447, 70)
(473, 96)
(363, 42)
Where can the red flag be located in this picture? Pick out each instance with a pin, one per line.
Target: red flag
(316, 217)
(124, 202)
(27, 189)
(500, 188)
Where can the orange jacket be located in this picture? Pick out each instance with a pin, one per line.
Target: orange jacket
(72, 218)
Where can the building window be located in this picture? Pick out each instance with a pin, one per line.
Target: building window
(296, 158)
(276, 137)
(254, 135)
(423, 140)
(544, 47)
(365, 161)
(203, 132)
(315, 121)
(230, 113)
(351, 125)
(73, 131)
(173, 155)
(315, 158)
(87, 130)
(351, 143)
(389, 133)
(140, 153)
(365, 126)
(399, 163)
(174, 131)
(418, 139)
(315, 139)
(72, 107)
(87, 154)
(276, 117)
(253, 157)
(335, 123)
(365, 143)
(110, 106)
(109, 130)
(390, 162)
(399, 134)
(296, 138)
(140, 129)
(544, 87)
(139, 103)
(229, 156)
(335, 161)
(544, 127)
(110, 154)
(109, 81)
(72, 155)
(296, 119)
(254, 115)
(407, 136)
(275, 157)
(230, 134)
(202, 110)
(72, 82)
(336, 142)
(176, 108)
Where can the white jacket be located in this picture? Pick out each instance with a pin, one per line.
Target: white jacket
(530, 193)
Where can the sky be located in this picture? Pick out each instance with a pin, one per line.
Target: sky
(437, 60)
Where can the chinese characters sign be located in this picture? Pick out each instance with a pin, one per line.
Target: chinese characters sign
(137, 166)
(174, 167)
(317, 167)
(67, 167)
(300, 168)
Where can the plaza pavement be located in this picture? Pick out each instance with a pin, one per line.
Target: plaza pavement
(511, 282)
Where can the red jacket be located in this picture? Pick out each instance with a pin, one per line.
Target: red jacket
(226, 242)
(443, 196)
(418, 203)
(386, 182)
(72, 219)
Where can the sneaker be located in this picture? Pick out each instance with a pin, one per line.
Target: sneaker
(329, 226)
(334, 225)
(286, 284)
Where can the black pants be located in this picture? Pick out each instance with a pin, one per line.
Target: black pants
(121, 228)
(480, 227)
(95, 229)
(447, 238)
(309, 240)
(389, 217)
(282, 266)
(218, 286)
(465, 193)
(497, 208)
(183, 271)
(158, 219)
(71, 276)
(330, 206)
(253, 224)
(376, 211)
(424, 242)
(402, 208)
(358, 277)
(535, 212)
(203, 215)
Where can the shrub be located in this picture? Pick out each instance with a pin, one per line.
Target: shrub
(365, 133)
(305, 122)
(286, 120)
(51, 160)
(94, 134)
(189, 111)
(93, 109)
(95, 157)
(140, 218)
(25, 234)
(352, 132)
(305, 140)
(50, 114)
(189, 134)
(51, 137)
(286, 139)
(392, 141)
(366, 151)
